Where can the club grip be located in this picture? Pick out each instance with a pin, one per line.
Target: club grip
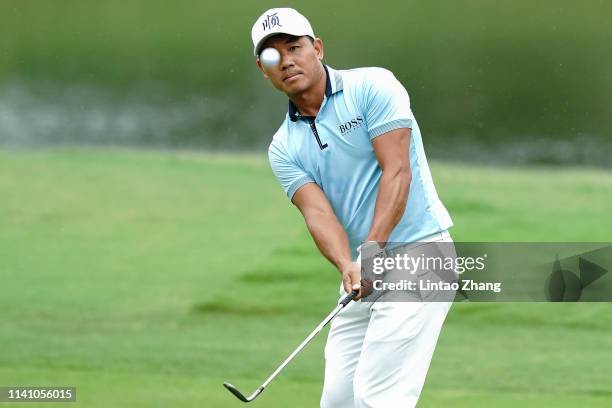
(349, 297)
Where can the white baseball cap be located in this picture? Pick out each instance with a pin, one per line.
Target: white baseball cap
(279, 21)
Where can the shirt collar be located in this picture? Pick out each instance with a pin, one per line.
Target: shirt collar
(333, 84)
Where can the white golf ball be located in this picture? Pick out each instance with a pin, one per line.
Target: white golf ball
(269, 57)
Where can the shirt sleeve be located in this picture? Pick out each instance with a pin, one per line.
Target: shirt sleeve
(290, 175)
(387, 104)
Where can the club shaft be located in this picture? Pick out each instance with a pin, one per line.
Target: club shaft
(317, 329)
(347, 299)
(304, 343)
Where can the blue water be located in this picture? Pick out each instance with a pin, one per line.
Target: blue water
(153, 115)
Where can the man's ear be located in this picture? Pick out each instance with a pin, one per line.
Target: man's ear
(258, 62)
(318, 46)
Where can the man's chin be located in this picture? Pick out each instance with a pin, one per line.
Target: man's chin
(295, 87)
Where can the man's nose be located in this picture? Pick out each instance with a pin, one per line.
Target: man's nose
(286, 61)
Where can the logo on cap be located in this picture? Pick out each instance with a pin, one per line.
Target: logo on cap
(271, 21)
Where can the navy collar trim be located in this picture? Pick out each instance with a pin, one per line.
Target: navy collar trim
(294, 114)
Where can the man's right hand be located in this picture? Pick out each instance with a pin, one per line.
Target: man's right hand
(351, 278)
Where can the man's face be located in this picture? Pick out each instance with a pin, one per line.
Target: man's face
(300, 64)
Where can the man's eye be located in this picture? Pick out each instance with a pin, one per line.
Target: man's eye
(294, 47)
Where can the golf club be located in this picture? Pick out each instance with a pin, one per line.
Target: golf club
(347, 299)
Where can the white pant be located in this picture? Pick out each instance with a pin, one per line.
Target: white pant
(377, 354)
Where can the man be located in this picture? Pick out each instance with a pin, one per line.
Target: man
(349, 155)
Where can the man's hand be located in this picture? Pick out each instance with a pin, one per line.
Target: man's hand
(351, 278)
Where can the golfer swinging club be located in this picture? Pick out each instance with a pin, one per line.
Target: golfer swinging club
(349, 155)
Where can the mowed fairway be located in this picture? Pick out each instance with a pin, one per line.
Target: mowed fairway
(146, 279)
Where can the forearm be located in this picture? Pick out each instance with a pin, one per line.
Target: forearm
(390, 202)
(330, 237)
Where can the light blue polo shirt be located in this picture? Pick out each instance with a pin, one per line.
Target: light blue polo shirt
(335, 151)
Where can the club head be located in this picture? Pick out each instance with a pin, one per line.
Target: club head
(239, 395)
(235, 391)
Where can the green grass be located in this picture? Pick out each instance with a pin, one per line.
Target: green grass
(146, 279)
